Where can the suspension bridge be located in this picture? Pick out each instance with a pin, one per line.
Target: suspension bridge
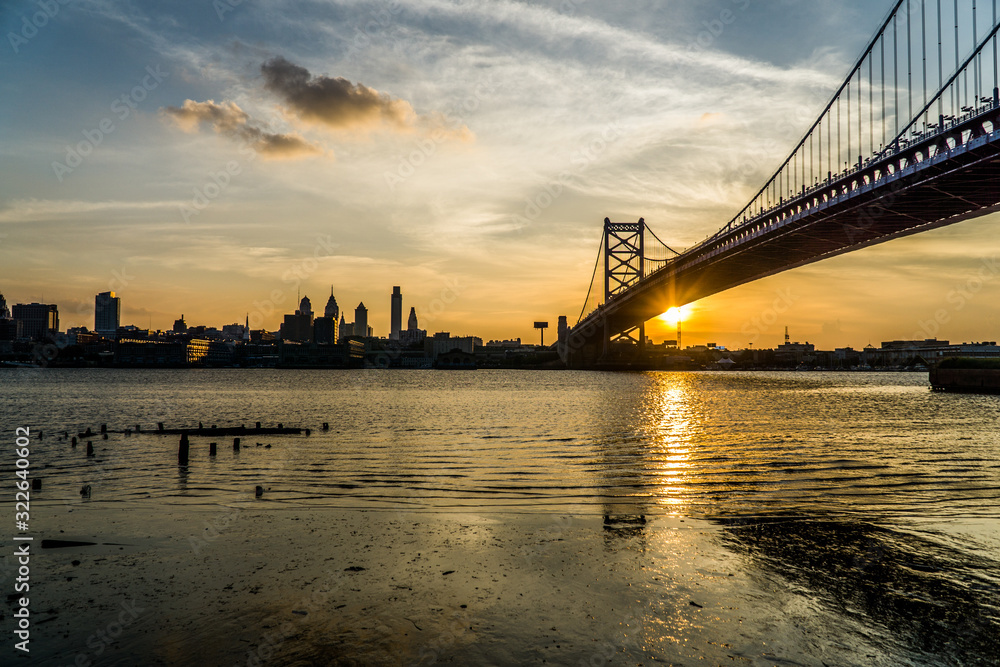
(910, 141)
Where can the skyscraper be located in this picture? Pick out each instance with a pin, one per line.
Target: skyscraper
(413, 333)
(361, 320)
(107, 313)
(326, 329)
(396, 314)
(4, 310)
(299, 327)
(332, 309)
(38, 320)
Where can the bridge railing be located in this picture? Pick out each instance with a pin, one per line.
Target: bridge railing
(874, 113)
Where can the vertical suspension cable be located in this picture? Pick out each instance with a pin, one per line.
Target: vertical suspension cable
(840, 155)
(940, 63)
(923, 48)
(909, 66)
(861, 140)
(871, 105)
(976, 83)
(996, 83)
(957, 92)
(895, 79)
(882, 86)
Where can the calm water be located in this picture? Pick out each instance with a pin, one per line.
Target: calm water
(698, 444)
(876, 496)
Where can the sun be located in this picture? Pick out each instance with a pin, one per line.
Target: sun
(676, 315)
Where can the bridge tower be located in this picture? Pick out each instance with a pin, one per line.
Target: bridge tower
(623, 268)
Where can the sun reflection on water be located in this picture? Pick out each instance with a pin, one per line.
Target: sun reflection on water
(673, 424)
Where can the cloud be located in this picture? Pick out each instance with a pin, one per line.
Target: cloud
(228, 119)
(340, 104)
(334, 102)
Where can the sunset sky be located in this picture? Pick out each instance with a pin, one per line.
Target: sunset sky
(217, 158)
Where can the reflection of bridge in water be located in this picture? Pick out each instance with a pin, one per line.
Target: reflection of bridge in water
(909, 142)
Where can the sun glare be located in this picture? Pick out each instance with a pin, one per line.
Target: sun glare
(676, 315)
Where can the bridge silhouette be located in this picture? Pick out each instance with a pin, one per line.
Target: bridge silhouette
(909, 142)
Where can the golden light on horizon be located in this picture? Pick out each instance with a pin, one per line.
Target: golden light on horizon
(677, 314)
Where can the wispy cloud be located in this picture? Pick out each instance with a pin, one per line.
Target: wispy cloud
(228, 119)
(33, 210)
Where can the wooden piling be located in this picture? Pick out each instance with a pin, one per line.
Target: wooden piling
(236, 444)
(183, 450)
(211, 449)
(90, 448)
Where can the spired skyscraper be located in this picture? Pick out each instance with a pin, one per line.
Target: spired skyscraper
(326, 329)
(396, 314)
(107, 313)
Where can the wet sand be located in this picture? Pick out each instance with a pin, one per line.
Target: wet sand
(260, 583)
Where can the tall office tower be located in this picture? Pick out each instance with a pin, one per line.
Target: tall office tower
(38, 320)
(344, 329)
(305, 307)
(4, 310)
(396, 314)
(332, 309)
(107, 313)
(411, 324)
(361, 320)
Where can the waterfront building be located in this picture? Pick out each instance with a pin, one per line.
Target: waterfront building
(325, 330)
(361, 321)
(299, 326)
(443, 342)
(396, 314)
(107, 313)
(36, 321)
